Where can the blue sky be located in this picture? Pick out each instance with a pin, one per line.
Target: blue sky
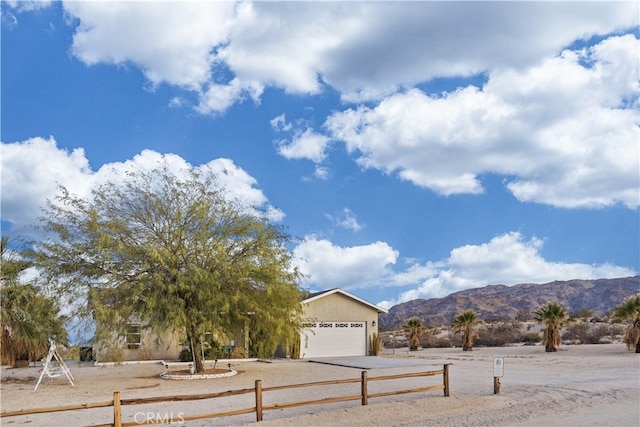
(415, 149)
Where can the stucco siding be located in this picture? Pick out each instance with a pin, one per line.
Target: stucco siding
(338, 307)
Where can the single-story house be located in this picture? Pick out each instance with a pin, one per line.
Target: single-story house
(338, 324)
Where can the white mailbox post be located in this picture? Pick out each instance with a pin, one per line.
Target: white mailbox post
(498, 371)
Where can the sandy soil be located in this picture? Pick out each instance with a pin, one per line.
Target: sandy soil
(586, 385)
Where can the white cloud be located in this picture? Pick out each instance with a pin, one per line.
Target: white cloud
(345, 219)
(28, 5)
(226, 51)
(567, 133)
(305, 145)
(31, 172)
(507, 259)
(33, 169)
(217, 98)
(321, 172)
(328, 265)
(563, 128)
(170, 42)
(280, 123)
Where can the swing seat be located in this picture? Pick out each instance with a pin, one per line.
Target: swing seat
(55, 371)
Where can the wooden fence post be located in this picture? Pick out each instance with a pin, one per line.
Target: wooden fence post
(117, 412)
(445, 376)
(258, 400)
(363, 389)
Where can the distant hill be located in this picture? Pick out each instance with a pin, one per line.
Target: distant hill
(500, 302)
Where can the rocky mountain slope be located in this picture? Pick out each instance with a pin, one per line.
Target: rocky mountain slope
(500, 302)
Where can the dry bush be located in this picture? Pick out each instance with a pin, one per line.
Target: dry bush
(499, 334)
(589, 333)
(112, 353)
(145, 353)
(434, 338)
(374, 344)
(530, 338)
(237, 353)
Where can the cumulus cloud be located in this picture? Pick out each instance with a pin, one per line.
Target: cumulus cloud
(327, 265)
(170, 42)
(28, 5)
(305, 145)
(564, 131)
(506, 259)
(345, 219)
(321, 172)
(33, 170)
(232, 51)
(563, 128)
(9, 15)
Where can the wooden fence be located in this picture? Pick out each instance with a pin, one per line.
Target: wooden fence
(258, 391)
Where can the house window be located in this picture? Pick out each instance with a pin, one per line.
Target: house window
(133, 336)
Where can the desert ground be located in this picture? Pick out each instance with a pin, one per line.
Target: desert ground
(580, 385)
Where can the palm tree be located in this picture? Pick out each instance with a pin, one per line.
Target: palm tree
(466, 323)
(554, 316)
(414, 328)
(630, 309)
(28, 318)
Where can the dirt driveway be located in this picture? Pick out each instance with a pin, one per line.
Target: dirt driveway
(588, 385)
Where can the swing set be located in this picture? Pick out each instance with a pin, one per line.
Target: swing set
(54, 366)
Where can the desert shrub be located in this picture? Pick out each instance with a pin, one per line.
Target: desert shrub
(145, 353)
(583, 313)
(237, 353)
(616, 329)
(435, 339)
(586, 333)
(213, 350)
(113, 353)
(374, 344)
(400, 341)
(575, 332)
(185, 355)
(530, 338)
(499, 334)
(213, 353)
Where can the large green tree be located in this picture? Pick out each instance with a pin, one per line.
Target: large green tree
(172, 251)
(630, 310)
(554, 316)
(466, 323)
(28, 317)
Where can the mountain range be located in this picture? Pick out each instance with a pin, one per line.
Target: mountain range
(501, 302)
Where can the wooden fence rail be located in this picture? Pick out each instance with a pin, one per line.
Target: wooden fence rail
(258, 390)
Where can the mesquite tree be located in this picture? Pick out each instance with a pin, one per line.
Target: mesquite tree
(171, 252)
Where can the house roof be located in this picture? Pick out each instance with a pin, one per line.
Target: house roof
(322, 294)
